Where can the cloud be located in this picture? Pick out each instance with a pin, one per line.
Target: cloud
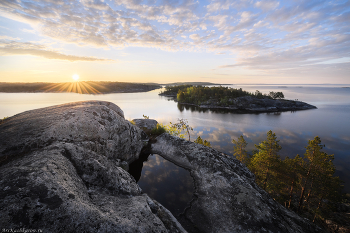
(194, 37)
(267, 5)
(28, 31)
(254, 32)
(10, 48)
(8, 38)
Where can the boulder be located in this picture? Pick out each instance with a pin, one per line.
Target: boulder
(63, 170)
(226, 197)
(145, 124)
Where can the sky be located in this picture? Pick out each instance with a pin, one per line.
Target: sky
(220, 41)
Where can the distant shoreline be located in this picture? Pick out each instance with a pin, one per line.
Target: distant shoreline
(82, 87)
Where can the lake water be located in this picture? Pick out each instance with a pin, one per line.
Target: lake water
(165, 183)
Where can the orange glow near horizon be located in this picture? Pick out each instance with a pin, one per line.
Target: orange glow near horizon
(75, 87)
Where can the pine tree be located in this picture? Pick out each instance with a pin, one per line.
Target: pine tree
(239, 150)
(293, 169)
(266, 162)
(318, 180)
(199, 140)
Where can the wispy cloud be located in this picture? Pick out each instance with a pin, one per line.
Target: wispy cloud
(8, 38)
(8, 48)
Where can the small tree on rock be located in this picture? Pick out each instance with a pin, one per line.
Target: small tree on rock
(183, 125)
(199, 140)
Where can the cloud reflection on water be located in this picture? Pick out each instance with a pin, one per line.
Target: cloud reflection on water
(167, 183)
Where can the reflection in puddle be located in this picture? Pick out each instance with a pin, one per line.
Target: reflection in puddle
(170, 185)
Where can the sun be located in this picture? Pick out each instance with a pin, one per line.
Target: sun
(75, 77)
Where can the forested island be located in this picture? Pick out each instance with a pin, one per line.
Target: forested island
(219, 97)
(82, 87)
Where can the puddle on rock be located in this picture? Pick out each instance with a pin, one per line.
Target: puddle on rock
(170, 185)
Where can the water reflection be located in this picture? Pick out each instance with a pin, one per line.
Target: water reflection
(135, 168)
(170, 185)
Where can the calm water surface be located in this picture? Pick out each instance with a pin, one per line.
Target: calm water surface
(331, 122)
(165, 182)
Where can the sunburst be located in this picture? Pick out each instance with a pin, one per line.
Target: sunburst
(75, 77)
(75, 87)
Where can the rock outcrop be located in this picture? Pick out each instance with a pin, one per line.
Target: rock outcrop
(226, 197)
(145, 124)
(61, 170)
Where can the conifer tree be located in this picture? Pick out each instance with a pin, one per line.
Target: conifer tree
(319, 179)
(293, 169)
(239, 150)
(266, 162)
(199, 140)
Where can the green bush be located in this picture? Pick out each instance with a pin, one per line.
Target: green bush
(199, 140)
(158, 130)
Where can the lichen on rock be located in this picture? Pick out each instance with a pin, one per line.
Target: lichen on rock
(63, 170)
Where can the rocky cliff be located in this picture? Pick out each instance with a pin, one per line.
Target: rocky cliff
(63, 169)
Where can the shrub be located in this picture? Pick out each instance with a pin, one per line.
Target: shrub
(158, 130)
(199, 140)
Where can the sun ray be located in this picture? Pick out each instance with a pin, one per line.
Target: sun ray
(52, 87)
(92, 89)
(96, 85)
(63, 87)
(78, 88)
(85, 91)
(75, 87)
(82, 87)
(69, 89)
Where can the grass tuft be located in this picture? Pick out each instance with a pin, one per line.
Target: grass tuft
(158, 130)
